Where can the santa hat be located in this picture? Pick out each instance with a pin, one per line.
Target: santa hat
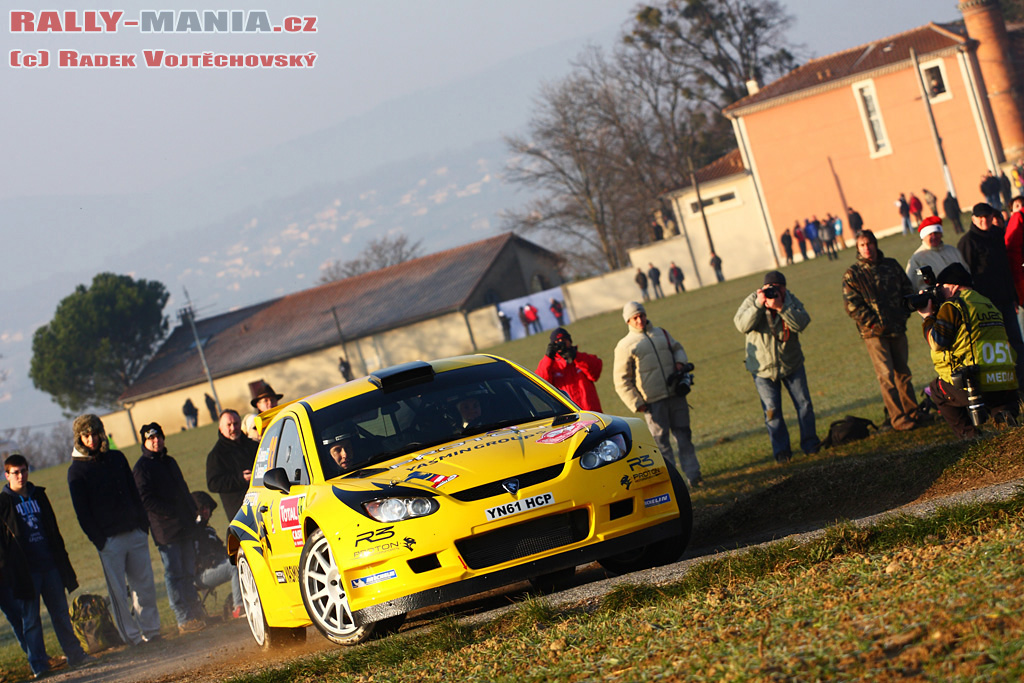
(929, 225)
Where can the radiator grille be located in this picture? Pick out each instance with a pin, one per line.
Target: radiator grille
(522, 540)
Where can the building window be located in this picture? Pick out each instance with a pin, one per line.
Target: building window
(935, 81)
(871, 117)
(716, 200)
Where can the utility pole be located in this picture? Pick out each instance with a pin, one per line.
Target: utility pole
(931, 123)
(186, 314)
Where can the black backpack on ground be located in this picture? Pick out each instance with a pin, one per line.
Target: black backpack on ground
(847, 430)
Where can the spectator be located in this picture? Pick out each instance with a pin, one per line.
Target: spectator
(654, 275)
(801, 240)
(532, 317)
(716, 265)
(953, 213)
(966, 323)
(571, 370)
(110, 512)
(837, 227)
(173, 521)
(932, 252)
(229, 463)
(827, 234)
(263, 396)
(191, 414)
(931, 200)
(523, 321)
(213, 567)
(811, 233)
(676, 277)
(772, 318)
(1005, 190)
(211, 406)
(991, 188)
(644, 360)
(557, 310)
(875, 290)
(787, 246)
(915, 209)
(35, 564)
(345, 368)
(506, 324)
(1014, 239)
(984, 252)
(904, 210)
(856, 222)
(641, 282)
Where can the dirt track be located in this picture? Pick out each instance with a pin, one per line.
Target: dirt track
(227, 649)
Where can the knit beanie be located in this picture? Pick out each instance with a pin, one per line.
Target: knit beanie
(631, 309)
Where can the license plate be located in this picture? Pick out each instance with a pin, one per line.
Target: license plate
(519, 506)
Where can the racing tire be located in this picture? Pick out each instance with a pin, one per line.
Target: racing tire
(266, 637)
(326, 600)
(553, 582)
(662, 552)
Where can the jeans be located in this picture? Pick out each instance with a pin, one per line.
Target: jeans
(11, 610)
(126, 567)
(671, 417)
(770, 392)
(48, 584)
(222, 573)
(179, 560)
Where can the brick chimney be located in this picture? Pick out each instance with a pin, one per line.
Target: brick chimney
(984, 22)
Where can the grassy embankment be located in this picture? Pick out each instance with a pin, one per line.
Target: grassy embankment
(741, 476)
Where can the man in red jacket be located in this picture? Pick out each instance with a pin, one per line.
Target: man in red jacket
(571, 371)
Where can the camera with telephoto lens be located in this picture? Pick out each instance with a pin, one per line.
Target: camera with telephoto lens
(680, 381)
(928, 293)
(770, 292)
(966, 378)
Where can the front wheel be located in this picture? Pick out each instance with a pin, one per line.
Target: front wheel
(267, 637)
(662, 552)
(326, 599)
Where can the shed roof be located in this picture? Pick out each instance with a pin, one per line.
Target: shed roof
(302, 322)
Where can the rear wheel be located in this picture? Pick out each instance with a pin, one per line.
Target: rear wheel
(326, 599)
(662, 552)
(267, 637)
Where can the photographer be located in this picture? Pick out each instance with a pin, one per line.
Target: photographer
(652, 377)
(772, 318)
(571, 371)
(971, 354)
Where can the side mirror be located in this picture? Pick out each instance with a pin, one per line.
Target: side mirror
(277, 480)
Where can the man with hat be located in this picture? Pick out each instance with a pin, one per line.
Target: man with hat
(264, 397)
(573, 372)
(174, 522)
(969, 349)
(111, 514)
(932, 252)
(772, 318)
(984, 251)
(645, 359)
(875, 290)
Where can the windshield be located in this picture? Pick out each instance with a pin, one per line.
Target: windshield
(377, 426)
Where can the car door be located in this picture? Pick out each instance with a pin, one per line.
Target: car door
(282, 512)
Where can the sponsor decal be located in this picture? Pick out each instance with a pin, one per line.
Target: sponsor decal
(625, 481)
(251, 499)
(377, 550)
(290, 511)
(657, 500)
(432, 480)
(288, 575)
(364, 581)
(297, 538)
(641, 461)
(375, 536)
(408, 542)
(562, 433)
(519, 506)
(644, 475)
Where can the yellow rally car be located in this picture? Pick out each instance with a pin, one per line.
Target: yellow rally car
(427, 482)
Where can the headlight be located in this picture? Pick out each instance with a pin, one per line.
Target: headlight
(609, 450)
(397, 509)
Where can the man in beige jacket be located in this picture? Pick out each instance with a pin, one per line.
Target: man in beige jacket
(645, 359)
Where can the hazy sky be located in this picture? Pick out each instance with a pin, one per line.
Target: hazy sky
(102, 131)
(66, 131)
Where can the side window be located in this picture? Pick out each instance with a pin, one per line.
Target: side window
(268, 444)
(289, 453)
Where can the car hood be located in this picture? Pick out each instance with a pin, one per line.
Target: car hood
(462, 464)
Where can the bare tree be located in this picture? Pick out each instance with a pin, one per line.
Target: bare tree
(382, 252)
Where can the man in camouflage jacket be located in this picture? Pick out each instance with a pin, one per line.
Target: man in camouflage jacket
(874, 290)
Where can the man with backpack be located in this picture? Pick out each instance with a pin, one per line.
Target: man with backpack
(772, 319)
